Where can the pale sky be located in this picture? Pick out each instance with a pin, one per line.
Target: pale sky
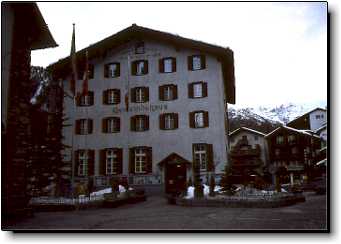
(280, 49)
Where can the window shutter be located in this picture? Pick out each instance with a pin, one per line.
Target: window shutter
(118, 70)
(76, 158)
(91, 96)
(203, 61)
(206, 119)
(190, 62)
(105, 97)
(91, 162)
(210, 162)
(191, 120)
(133, 68)
(78, 99)
(104, 125)
(190, 90)
(77, 127)
(90, 126)
(102, 161)
(145, 67)
(149, 166)
(106, 70)
(146, 122)
(161, 93)
(161, 66)
(118, 121)
(146, 94)
(162, 121)
(132, 123)
(176, 120)
(175, 91)
(119, 152)
(117, 96)
(131, 160)
(133, 95)
(174, 64)
(204, 89)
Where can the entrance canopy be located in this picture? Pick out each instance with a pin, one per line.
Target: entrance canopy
(173, 158)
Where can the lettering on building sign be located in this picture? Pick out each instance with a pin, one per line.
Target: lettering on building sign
(142, 108)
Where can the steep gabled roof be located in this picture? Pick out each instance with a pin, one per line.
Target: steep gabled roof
(292, 121)
(240, 129)
(28, 17)
(63, 67)
(303, 132)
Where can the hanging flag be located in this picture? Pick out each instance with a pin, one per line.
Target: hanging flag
(73, 63)
(86, 75)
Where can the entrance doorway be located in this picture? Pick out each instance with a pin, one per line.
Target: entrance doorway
(175, 173)
(175, 177)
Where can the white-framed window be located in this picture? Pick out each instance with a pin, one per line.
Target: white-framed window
(256, 138)
(140, 160)
(113, 125)
(199, 119)
(197, 90)
(83, 126)
(83, 160)
(111, 162)
(196, 61)
(114, 70)
(168, 65)
(168, 93)
(200, 156)
(139, 94)
(113, 96)
(85, 100)
(169, 121)
(140, 123)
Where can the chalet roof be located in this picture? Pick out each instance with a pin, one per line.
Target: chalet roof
(240, 129)
(290, 122)
(324, 126)
(29, 17)
(63, 67)
(303, 132)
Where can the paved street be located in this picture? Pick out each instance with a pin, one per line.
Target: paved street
(156, 214)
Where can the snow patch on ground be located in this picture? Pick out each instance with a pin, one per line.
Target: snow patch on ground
(190, 191)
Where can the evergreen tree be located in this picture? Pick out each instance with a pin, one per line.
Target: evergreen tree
(226, 182)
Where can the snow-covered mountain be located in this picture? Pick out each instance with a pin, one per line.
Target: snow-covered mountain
(266, 118)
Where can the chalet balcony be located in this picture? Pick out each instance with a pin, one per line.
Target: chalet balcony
(245, 153)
